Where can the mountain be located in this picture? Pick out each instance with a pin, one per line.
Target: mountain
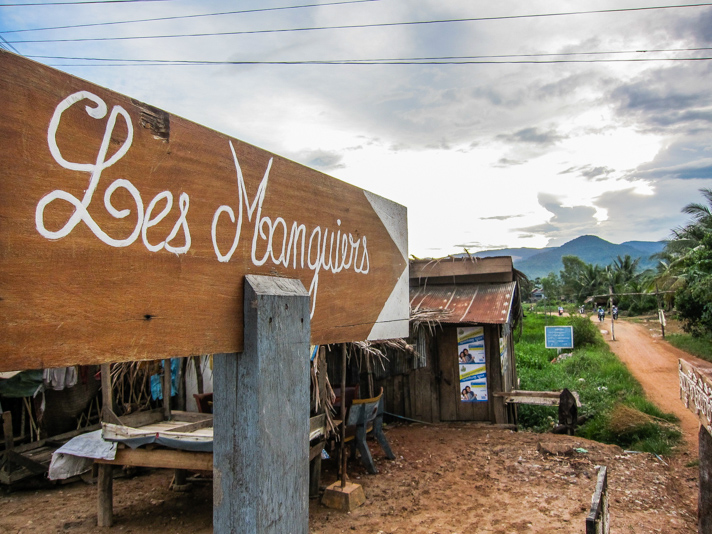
(590, 248)
(646, 247)
(517, 254)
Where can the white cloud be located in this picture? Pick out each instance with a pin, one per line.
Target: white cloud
(470, 149)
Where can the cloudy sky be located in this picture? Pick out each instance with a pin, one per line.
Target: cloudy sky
(515, 131)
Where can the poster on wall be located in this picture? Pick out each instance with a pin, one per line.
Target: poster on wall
(471, 360)
(471, 344)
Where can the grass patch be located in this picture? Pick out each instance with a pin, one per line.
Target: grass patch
(604, 385)
(697, 346)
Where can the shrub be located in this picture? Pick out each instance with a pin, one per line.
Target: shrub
(603, 383)
(585, 332)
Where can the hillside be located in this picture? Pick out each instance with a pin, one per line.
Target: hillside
(591, 249)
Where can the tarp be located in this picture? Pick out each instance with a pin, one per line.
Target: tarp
(77, 455)
(24, 384)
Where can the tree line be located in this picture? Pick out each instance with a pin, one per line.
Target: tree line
(680, 282)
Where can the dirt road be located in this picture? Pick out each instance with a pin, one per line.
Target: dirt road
(447, 479)
(653, 362)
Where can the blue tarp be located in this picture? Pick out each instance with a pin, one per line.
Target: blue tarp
(156, 389)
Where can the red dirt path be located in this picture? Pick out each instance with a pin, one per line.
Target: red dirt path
(653, 362)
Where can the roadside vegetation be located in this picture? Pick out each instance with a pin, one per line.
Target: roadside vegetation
(680, 285)
(614, 405)
(697, 346)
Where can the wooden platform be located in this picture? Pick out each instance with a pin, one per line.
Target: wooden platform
(536, 398)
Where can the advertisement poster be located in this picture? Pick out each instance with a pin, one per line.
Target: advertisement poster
(471, 344)
(471, 359)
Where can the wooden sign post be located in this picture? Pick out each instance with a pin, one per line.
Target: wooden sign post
(696, 393)
(261, 450)
(130, 234)
(126, 232)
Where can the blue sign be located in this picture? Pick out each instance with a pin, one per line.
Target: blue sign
(559, 337)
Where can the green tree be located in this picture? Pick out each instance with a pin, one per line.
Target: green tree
(579, 279)
(551, 286)
(686, 265)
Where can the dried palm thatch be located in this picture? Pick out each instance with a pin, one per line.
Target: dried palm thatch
(323, 399)
(429, 318)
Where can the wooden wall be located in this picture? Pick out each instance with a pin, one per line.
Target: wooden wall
(419, 393)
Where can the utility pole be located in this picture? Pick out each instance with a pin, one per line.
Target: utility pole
(610, 310)
(661, 312)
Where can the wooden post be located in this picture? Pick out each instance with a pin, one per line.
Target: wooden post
(107, 397)
(7, 430)
(704, 503)
(105, 491)
(315, 469)
(610, 310)
(342, 456)
(105, 482)
(261, 411)
(661, 312)
(166, 388)
(598, 521)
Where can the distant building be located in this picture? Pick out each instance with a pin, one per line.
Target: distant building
(537, 295)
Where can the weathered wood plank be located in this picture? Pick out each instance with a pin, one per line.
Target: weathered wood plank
(105, 496)
(447, 268)
(597, 521)
(450, 377)
(495, 382)
(7, 430)
(536, 398)
(189, 212)
(162, 458)
(261, 469)
(696, 391)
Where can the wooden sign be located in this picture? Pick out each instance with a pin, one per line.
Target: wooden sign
(696, 391)
(126, 232)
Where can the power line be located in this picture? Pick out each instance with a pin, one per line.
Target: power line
(413, 60)
(81, 2)
(396, 62)
(7, 46)
(176, 17)
(357, 26)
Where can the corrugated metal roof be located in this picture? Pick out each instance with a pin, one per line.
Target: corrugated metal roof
(468, 303)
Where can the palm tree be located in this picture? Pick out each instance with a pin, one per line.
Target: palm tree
(690, 236)
(626, 269)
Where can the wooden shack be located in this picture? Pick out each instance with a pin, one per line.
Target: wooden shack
(464, 312)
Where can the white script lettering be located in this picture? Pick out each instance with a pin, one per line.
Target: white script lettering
(327, 250)
(144, 221)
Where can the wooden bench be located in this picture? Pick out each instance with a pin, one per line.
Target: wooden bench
(181, 460)
(365, 416)
(317, 440)
(536, 398)
(567, 401)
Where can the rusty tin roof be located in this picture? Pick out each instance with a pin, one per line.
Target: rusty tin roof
(468, 303)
